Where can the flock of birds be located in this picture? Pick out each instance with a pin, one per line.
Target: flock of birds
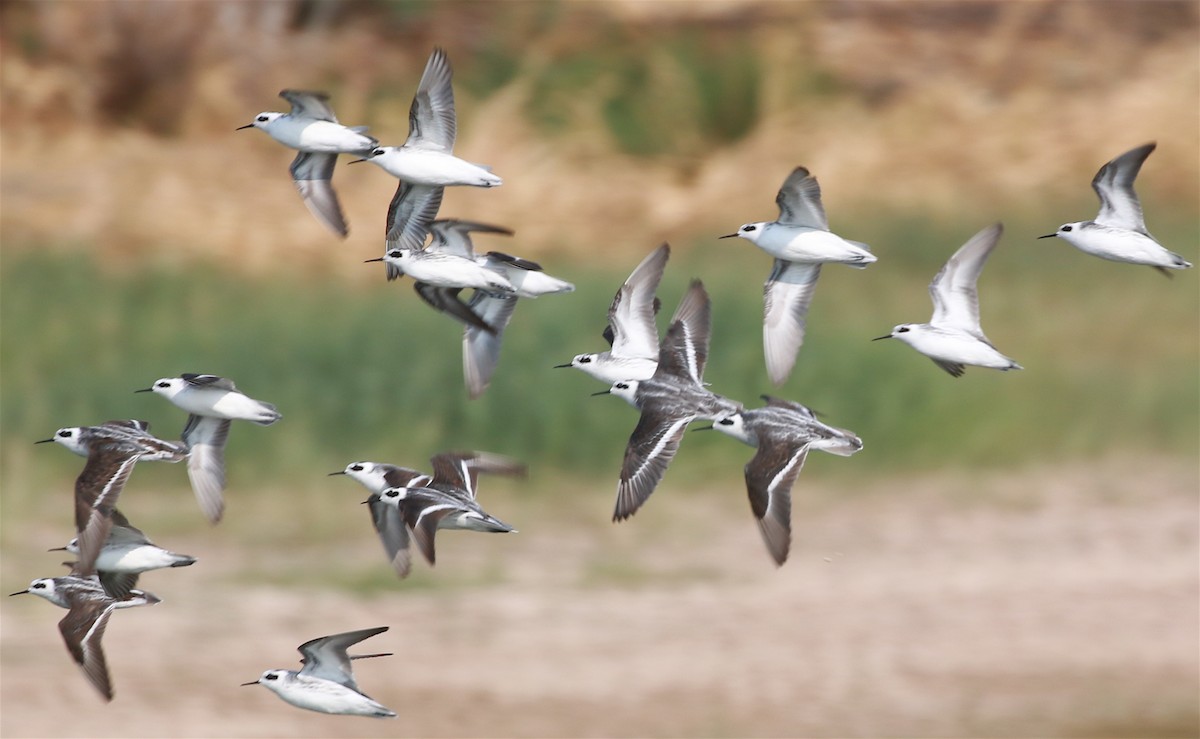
(661, 379)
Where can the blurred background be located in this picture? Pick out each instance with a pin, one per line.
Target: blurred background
(1010, 554)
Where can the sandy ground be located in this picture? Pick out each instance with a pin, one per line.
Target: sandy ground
(1043, 602)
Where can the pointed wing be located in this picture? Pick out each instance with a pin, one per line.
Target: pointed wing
(481, 346)
(393, 534)
(326, 657)
(431, 119)
(398, 477)
(786, 296)
(412, 209)
(774, 402)
(631, 314)
(651, 448)
(799, 201)
(118, 585)
(954, 368)
(450, 235)
(209, 381)
(955, 299)
(312, 172)
(205, 438)
(499, 257)
(424, 515)
(82, 629)
(129, 425)
(684, 350)
(446, 300)
(458, 472)
(1119, 204)
(96, 492)
(769, 479)
(307, 104)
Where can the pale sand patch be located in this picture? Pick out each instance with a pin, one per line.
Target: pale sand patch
(1066, 602)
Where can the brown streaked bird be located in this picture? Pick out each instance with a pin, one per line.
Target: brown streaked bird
(783, 432)
(669, 400)
(89, 607)
(112, 449)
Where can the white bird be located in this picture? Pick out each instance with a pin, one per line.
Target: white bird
(800, 241)
(445, 270)
(89, 607)
(669, 400)
(313, 129)
(425, 163)
(631, 333)
(326, 681)
(213, 403)
(1118, 232)
(953, 338)
(487, 314)
(127, 553)
(783, 432)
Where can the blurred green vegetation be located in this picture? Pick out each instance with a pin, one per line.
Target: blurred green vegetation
(368, 372)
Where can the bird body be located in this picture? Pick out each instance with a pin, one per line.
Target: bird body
(1118, 233)
(89, 607)
(671, 399)
(312, 129)
(800, 241)
(953, 337)
(631, 332)
(326, 681)
(783, 433)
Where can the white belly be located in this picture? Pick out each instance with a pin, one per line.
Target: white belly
(799, 244)
(435, 169)
(318, 136)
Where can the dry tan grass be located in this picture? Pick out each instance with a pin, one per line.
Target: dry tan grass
(964, 110)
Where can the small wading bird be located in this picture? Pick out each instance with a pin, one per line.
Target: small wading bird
(89, 607)
(953, 338)
(425, 163)
(213, 404)
(631, 332)
(326, 681)
(800, 241)
(669, 400)
(784, 433)
(1118, 233)
(313, 129)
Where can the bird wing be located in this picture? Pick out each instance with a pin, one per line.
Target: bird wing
(446, 300)
(209, 381)
(97, 489)
(481, 345)
(312, 173)
(1119, 204)
(326, 656)
(955, 298)
(651, 447)
(684, 350)
(786, 296)
(631, 330)
(799, 201)
(82, 629)
(431, 118)
(308, 104)
(769, 479)
(393, 534)
(450, 235)
(205, 438)
(410, 213)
